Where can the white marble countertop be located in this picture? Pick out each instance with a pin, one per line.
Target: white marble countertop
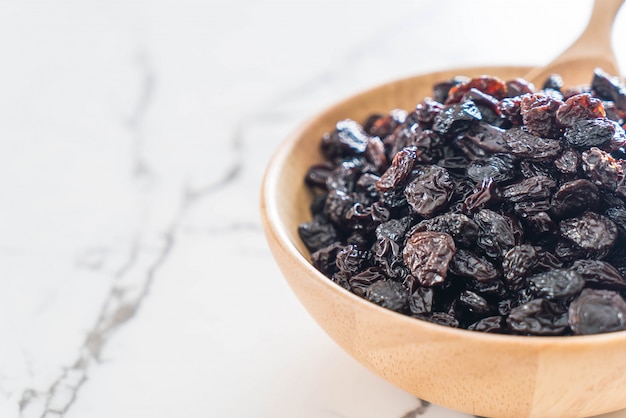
(133, 137)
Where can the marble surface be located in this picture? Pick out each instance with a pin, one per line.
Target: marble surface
(133, 137)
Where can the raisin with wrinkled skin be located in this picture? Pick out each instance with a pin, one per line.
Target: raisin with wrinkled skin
(518, 262)
(317, 234)
(343, 178)
(553, 82)
(352, 259)
(497, 233)
(558, 284)
(395, 200)
(518, 87)
(539, 224)
(467, 264)
(400, 168)
(341, 278)
(388, 247)
(568, 162)
(597, 311)
(618, 216)
(602, 169)
(492, 86)
(324, 258)
(441, 89)
(427, 110)
(537, 317)
(430, 191)
(428, 146)
(348, 139)
(375, 154)
(575, 197)
(533, 188)
(484, 196)
(404, 136)
(524, 144)
(490, 324)
(499, 167)
(456, 118)
(603, 133)
(421, 301)
(336, 205)
(364, 217)
(539, 114)
(481, 211)
(462, 229)
(442, 318)
(609, 88)
(579, 107)
(485, 102)
(592, 233)
(599, 274)
(394, 229)
(383, 125)
(388, 257)
(488, 137)
(511, 110)
(528, 169)
(427, 254)
(388, 294)
(474, 303)
(366, 184)
(490, 289)
(317, 174)
(362, 281)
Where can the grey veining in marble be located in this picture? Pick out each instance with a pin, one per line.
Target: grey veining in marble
(133, 139)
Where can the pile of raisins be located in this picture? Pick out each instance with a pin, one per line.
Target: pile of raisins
(491, 207)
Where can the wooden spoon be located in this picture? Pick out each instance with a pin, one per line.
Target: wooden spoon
(591, 50)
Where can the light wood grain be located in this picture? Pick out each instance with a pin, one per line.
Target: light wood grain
(592, 49)
(487, 375)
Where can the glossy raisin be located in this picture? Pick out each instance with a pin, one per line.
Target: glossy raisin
(517, 264)
(421, 301)
(597, 311)
(609, 88)
(427, 254)
(462, 229)
(579, 107)
(524, 144)
(603, 133)
(430, 191)
(500, 168)
(467, 264)
(593, 234)
(490, 85)
(497, 233)
(400, 168)
(599, 274)
(602, 169)
(388, 294)
(456, 118)
(538, 317)
(575, 197)
(348, 139)
(557, 284)
(539, 114)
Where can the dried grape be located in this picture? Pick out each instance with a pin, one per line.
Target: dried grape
(489, 206)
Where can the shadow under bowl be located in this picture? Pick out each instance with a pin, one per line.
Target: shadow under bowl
(477, 373)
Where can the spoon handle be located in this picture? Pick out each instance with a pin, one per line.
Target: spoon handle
(592, 49)
(596, 38)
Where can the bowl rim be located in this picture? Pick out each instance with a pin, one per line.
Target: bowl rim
(273, 225)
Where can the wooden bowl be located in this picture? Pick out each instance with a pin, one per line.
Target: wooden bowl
(477, 373)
